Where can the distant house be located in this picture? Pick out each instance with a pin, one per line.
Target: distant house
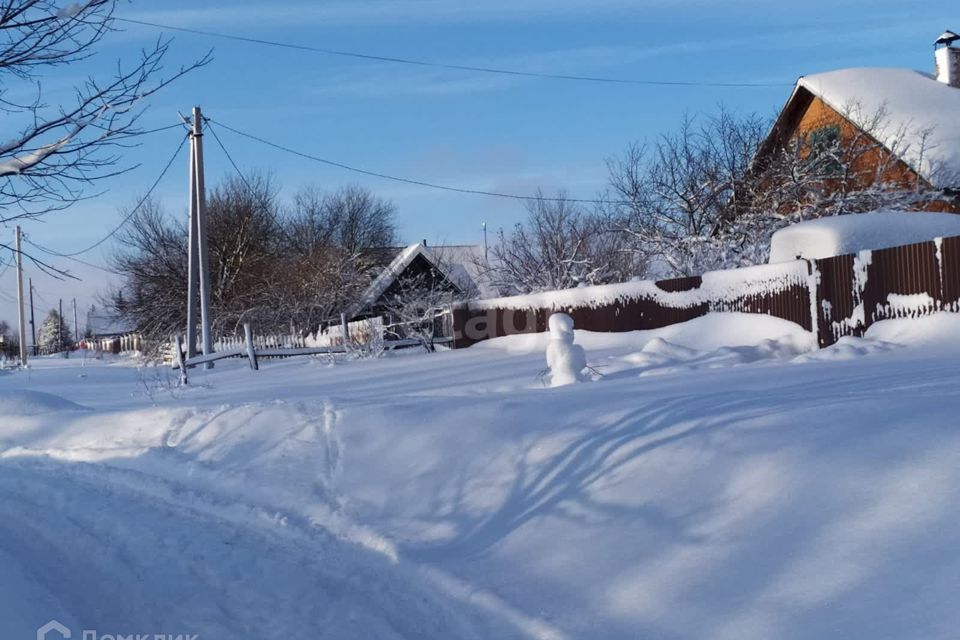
(914, 116)
(107, 332)
(451, 267)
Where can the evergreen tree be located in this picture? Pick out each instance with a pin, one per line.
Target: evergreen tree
(50, 334)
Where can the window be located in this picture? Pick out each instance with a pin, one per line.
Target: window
(824, 147)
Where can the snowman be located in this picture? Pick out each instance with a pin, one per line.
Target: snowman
(565, 360)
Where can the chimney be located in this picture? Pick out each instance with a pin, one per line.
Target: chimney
(948, 59)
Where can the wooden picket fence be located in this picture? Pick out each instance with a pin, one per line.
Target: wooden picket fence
(254, 347)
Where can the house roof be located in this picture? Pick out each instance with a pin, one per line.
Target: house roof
(922, 116)
(105, 325)
(456, 262)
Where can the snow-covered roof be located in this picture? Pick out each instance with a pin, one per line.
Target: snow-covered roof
(456, 262)
(386, 277)
(103, 325)
(915, 104)
(947, 37)
(842, 235)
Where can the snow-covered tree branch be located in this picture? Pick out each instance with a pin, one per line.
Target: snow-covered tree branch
(560, 245)
(57, 151)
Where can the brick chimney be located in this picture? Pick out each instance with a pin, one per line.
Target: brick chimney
(948, 59)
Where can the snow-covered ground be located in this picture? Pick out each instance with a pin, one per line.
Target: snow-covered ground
(717, 479)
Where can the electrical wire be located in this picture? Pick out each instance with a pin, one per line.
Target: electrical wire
(126, 218)
(420, 183)
(280, 226)
(74, 259)
(456, 67)
(178, 125)
(9, 264)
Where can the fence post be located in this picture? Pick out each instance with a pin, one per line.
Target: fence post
(178, 355)
(345, 331)
(251, 352)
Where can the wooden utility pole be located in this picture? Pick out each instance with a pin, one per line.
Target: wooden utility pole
(33, 326)
(20, 314)
(199, 265)
(60, 327)
(76, 325)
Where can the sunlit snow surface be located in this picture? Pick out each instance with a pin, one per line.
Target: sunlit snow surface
(718, 479)
(840, 235)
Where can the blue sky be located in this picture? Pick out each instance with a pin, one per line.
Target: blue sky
(464, 129)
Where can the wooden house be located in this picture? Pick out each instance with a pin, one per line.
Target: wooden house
(910, 119)
(451, 268)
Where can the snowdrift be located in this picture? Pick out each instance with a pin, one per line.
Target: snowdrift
(747, 491)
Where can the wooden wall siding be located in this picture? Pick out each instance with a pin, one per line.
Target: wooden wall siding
(819, 114)
(807, 113)
(849, 294)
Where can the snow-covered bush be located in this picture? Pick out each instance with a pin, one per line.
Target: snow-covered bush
(565, 359)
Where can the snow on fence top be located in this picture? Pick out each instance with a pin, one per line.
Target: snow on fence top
(841, 235)
(922, 115)
(716, 286)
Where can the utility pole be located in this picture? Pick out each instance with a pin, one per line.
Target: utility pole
(76, 325)
(199, 273)
(192, 259)
(60, 328)
(485, 242)
(20, 315)
(33, 327)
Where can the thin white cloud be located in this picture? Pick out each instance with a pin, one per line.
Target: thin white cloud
(384, 12)
(377, 81)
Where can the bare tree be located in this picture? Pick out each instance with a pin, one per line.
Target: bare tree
(682, 190)
(559, 246)
(245, 236)
(152, 260)
(337, 243)
(273, 268)
(712, 194)
(59, 150)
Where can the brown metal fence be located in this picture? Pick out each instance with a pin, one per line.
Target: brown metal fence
(845, 294)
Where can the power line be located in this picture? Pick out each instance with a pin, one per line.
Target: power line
(457, 67)
(178, 125)
(7, 265)
(74, 259)
(419, 183)
(126, 218)
(243, 178)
